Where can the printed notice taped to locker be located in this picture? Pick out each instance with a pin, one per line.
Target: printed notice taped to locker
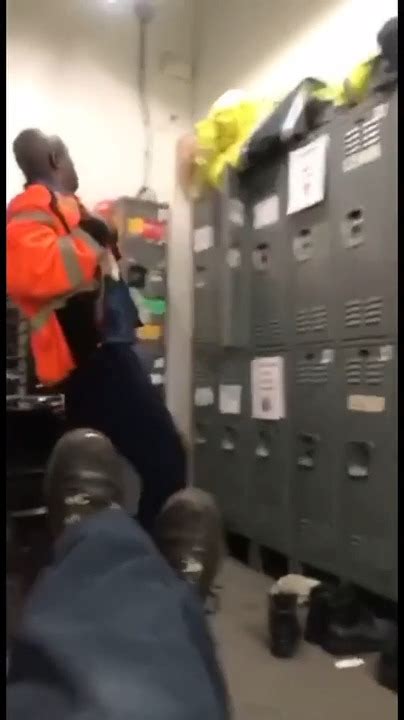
(230, 399)
(266, 212)
(268, 388)
(307, 175)
(203, 238)
(366, 403)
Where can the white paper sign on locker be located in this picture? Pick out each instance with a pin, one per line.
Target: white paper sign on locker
(267, 388)
(230, 399)
(204, 397)
(307, 175)
(203, 238)
(266, 212)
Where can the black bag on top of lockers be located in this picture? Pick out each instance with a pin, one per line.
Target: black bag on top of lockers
(388, 42)
(293, 118)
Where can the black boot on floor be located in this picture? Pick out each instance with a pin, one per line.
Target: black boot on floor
(284, 628)
(352, 629)
(387, 666)
(84, 476)
(318, 616)
(188, 532)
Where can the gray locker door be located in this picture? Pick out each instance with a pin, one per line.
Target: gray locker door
(206, 298)
(363, 184)
(368, 528)
(309, 243)
(313, 400)
(270, 266)
(205, 420)
(231, 439)
(234, 306)
(269, 465)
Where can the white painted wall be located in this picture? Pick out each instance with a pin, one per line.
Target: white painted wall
(71, 70)
(270, 45)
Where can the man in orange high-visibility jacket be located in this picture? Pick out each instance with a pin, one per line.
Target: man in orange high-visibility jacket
(52, 264)
(54, 270)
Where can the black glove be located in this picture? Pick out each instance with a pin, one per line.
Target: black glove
(102, 233)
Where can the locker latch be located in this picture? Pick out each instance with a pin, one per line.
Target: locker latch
(358, 459)
(200, 277)
(200, 438)
(353, 228)
(263, 446)
(261, 257)
(303, 245)
(228, 442)
(307, 452)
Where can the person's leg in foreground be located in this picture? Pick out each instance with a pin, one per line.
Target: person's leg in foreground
(109, 630)
(112, 393)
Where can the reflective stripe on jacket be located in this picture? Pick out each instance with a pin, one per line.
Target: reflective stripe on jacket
(49, 261)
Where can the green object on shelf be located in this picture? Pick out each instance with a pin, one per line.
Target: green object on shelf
(156, 306)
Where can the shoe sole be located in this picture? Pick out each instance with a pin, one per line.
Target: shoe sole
(354, 647)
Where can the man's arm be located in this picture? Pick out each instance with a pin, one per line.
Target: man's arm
(40, 264)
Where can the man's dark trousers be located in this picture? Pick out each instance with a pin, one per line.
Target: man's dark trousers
(112, 393)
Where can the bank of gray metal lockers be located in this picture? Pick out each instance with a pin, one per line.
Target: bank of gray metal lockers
(220, 410)
(221, 267)
(317, 288)
(205, 410)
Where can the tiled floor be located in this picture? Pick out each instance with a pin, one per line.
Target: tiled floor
(308, 687)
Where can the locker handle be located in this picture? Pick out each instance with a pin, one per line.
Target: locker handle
(263, 447)
(303, 245)
(228, 442)
(200, 438)
(356, 540)
(261, 257)
(358, 460)
(354, 223)
(306, 457)
(200, 277)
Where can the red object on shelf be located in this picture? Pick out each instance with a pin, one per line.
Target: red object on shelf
(153, 230)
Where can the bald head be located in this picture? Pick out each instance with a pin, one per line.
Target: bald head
(45, 158)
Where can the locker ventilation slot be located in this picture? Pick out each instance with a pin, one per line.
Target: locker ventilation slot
(362, 136)
(303, 371)
(319, 374)
(312, 319)
(370, 133)
(303, 321)
(353, 372)
(311, 372)
(353, 313)
(319, 318)
(373, 309)
(352, 141)
(374, 372)
(263, 330)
